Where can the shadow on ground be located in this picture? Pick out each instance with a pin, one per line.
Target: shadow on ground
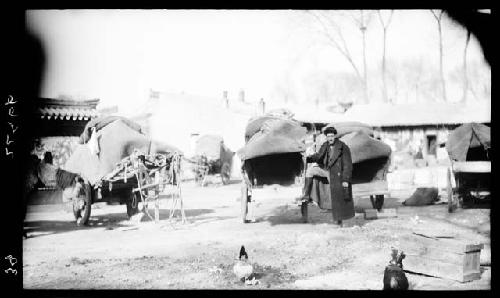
(217, 182)
(283, 215)
(361, 204)
(109, 221)
(292, 215)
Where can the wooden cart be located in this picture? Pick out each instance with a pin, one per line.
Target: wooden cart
(204, 167)
(469, 177)
(468, 183)
(256, 176)
(369, 175)
(212, 157)
(137, 181)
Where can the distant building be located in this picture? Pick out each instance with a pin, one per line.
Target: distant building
(420, 128)
(410, 128)
(58, 125)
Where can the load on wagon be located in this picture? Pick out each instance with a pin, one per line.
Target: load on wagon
(273, 154)
(371, 160)
(212, 157)
(469, 178)
(116, 162)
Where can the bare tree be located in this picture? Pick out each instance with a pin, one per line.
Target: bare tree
(361, 20)
(439, 17)
(333, 33)
(466, 80)
(385, 26)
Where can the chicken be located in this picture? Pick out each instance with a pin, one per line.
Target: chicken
(242, 269)
(394, 276)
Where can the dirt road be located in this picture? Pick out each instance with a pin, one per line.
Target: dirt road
(116, 253)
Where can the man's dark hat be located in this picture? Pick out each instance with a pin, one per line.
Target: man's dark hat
(330, 129)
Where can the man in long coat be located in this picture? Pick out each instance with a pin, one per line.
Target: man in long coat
(335, 157)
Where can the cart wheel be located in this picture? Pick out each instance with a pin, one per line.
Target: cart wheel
(449, 190)
(461, 198)
(379, 202)
(199, 177)
(133, 204)
(225, 173)
(454, 196)
(244, 202)
(303, 211)
(82, 205)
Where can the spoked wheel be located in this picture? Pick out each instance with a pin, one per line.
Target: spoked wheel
(82, 203)
(225, 173)
(449, 189)
(200, 176)
(303, 211)
(133, 204)
(142, 197)
(377, 202)
(244, 202)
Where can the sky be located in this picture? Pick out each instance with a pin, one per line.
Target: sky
(119, 55)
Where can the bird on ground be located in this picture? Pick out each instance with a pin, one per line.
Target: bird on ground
(242, 268)
(394, 276)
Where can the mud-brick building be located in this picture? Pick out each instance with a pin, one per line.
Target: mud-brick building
(420, 127)
(59, 123)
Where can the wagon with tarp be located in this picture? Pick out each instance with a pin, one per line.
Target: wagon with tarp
(371, 160)
(469, 178)
(116, 162)
(212, 157)
(272, 154)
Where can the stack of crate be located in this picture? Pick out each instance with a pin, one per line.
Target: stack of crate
(442, 256)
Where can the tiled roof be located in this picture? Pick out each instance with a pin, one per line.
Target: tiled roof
(48, 108)
(67, 113)
(387, 115)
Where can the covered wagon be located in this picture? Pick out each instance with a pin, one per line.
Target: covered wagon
(469, 178)
(371, 160)
(212, 157)
(272, 154)
(116, 162)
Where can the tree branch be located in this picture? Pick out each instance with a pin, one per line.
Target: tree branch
(343, 49)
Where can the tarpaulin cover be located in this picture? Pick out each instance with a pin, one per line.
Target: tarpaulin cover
(363, 147)
(465, 137)
(213, 147)
(370, 157)
(272, 135)
(101, 122)
(116, 140)
(347, 127)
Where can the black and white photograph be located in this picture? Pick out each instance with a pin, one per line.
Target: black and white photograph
(253, 149)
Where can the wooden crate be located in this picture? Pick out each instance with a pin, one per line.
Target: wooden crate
(448, 258)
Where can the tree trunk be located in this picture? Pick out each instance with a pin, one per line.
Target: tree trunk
(384, 81)
(466, 81)
(385, 96)
(365, 77)
(441, 71)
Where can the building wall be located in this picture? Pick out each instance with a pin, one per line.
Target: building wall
(61, 148)
(407, 141)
